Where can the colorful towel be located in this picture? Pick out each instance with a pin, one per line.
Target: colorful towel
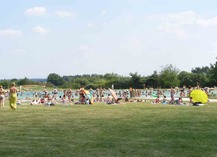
(13, 101)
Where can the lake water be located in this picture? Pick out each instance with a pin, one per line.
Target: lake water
(32, 94)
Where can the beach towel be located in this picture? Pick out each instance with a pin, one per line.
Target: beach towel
(13, 101)
(89, 96)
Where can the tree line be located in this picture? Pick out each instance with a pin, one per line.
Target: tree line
(168, 76)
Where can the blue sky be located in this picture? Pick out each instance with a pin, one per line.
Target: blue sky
(71, 37)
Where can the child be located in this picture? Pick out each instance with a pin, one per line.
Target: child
(179, 101)
(164, 101)
(157, 100)
(191, 101)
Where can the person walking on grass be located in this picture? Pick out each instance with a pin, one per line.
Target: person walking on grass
(13, 97)
(2, 97)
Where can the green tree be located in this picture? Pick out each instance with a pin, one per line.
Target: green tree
(168, 76)
(24, 81)
(136, 81)
(186, 79)
(213, 74)
(82, 81)
(102, 83)
(110, 76)
(55, 79)
(14, 80)
(5, 83)
(153, 80)
(200, 79)
(198, 70)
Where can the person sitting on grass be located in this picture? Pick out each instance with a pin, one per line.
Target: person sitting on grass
(81, 99)
(109, 99)
(50, 101)
(179, 102)
(191, 102)
(63, 99)
(35, 102)
(126, 99)
(157, 100)
(164, 101)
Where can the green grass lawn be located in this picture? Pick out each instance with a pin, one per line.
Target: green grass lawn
(130, 129)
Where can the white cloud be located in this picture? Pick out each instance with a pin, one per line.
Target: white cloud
(65, 13)
(20, 51)
(177, 24)
(104, 24)
(91, 24)
(83, 48)
(182, 18)
(104, 11)
(182, 24)
(36, 11)
(134, 1)
(10, 32)
(76, 62)
(172, 30)
(40, 30)
(207, 22)
(187, 18)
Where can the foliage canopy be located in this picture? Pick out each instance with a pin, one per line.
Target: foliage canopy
(168, 76)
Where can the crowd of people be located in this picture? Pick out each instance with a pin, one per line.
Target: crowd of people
(99, 95)
(12, 96)
(182, 93)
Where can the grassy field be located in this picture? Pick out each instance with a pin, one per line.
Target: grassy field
(131, 129)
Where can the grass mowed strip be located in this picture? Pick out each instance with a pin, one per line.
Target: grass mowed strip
(131, 129)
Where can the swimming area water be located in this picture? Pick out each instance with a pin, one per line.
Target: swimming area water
(32, 94)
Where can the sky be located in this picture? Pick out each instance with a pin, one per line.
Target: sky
(75, 37)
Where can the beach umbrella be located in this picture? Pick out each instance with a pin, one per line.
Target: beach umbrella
(199, 96)
(113, 94)
(89, 95)
(155, 95)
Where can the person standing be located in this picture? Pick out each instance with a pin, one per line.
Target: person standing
(2, 97)
(69, 95)
(190, 89)
(112, 87)
(100, 93)
(172, 95)
(82, 95)
(131, 92)
(182, 94)
(13, 97)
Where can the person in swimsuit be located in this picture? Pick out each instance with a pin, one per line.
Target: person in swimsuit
(69, 94)
(13, 97)
(172, 95)
(2, 97)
